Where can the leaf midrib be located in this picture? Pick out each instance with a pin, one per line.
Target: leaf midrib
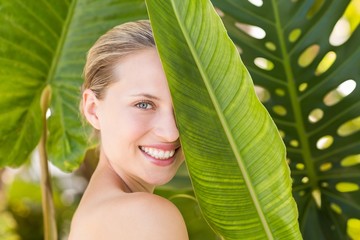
(56, 60)
(60, 46)
(224, 123)
(294, 99)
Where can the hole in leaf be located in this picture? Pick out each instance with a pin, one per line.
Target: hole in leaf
(347, 87)
(280, 110)
(336, 208)
(341, 32)
(257, 3)
(336, 95)
(48, 113)
(325, 167)
(303, 87)
(281, 133)
(347, 187)
(305, 180)
(350, 127)
(294, 143)
(219, 12)
(346, 25)
(353, 226)
(280, 92)
(253, 31)
(317, 197)
(300, 166)
(314, 8)
(324, 184)
(264, 63)
(351, 161)
(239, 49)
(294, 35)
(271, 46)
(325, 63)
(262, 93)
(324, 142)
(316, 115)
(308, 55)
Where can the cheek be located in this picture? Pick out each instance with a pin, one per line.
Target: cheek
(124, 129)
(137, 124)
(112, 133)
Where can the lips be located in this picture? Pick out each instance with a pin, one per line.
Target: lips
(158, 153)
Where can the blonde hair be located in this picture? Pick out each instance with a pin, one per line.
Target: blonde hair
(109, 49)
(106, 53)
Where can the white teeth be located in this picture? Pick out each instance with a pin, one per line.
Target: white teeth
(158, 153)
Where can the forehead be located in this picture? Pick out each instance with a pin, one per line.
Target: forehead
(141, 72)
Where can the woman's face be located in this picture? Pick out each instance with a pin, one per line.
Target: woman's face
(136, 121)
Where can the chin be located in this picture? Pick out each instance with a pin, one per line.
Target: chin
(159, 181)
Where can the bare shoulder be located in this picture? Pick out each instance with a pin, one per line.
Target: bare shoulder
(134, 216)
(152, 217)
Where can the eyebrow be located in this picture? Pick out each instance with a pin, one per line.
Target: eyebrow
(145, 95)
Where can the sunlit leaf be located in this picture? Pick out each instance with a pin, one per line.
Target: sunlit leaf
(234, 154)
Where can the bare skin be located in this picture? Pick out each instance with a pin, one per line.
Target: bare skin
(108, 214)
(140, 150)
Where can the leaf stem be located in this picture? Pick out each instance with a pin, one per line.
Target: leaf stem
(50, 231)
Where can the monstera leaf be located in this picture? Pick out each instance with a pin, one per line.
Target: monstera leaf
(44, 44)
(309, 80)
(233, 151)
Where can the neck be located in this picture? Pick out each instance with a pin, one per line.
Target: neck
(125, 183)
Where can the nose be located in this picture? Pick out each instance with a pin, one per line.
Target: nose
(166, 128)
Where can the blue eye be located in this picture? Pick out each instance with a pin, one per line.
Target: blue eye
(144, 105)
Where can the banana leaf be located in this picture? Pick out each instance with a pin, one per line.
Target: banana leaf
(302, 86)
(234, 153)
(44, 43)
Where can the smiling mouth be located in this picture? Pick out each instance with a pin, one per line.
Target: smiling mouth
(158, 153)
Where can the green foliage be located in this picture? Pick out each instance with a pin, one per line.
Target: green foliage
(24, 202)
(22, 214)
(44, 44)
(7, 226)
(318, 121)
(180, 192)
(198, 229)
(216, 106)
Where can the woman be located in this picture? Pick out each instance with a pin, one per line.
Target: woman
(127, 101)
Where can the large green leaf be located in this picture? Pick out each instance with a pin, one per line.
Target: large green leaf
(197, 228)
(326, 176)
(234, 153)
(44, 43)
